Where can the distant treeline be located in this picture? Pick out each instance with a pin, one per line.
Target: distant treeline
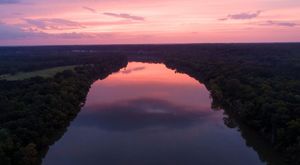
(34, 113)
(13, 60)
(41, 57)
(259, 84)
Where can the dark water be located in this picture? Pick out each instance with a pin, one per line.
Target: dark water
(147, 114)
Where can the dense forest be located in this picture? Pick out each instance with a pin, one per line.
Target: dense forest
(258, 84)
(35, 112)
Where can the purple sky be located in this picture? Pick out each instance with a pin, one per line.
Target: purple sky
(35, 22)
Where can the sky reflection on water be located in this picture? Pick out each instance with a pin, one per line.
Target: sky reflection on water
(147, 114)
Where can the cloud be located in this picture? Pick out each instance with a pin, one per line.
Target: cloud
(37, 30)
(9, 1)
(62, 24)
(14, 32)
(124, 15)
(108, 23)
(75, 35)
(53, 24)
(242, 16)
(89, 9)
(280, 23)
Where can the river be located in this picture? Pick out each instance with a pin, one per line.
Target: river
(147, 114)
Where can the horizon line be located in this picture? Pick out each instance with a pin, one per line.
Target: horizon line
(122, 44)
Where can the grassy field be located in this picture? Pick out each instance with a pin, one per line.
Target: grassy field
(42, 73)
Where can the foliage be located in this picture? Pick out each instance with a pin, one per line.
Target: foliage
(35, 112)
(259, 83)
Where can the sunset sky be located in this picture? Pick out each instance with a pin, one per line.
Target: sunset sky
(48, 22)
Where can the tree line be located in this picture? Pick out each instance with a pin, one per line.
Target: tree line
(35, 112)
(258, 83)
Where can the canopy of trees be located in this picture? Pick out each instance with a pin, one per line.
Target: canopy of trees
(258, 83)
(35, 112)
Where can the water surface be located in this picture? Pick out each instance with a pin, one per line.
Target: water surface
(147, 114)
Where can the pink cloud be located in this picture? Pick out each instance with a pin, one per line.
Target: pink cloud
(89, 9)
(108, 23)
(280, 23)
(242, 16)
(53, 24)
(124, 15)
(143, 21)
